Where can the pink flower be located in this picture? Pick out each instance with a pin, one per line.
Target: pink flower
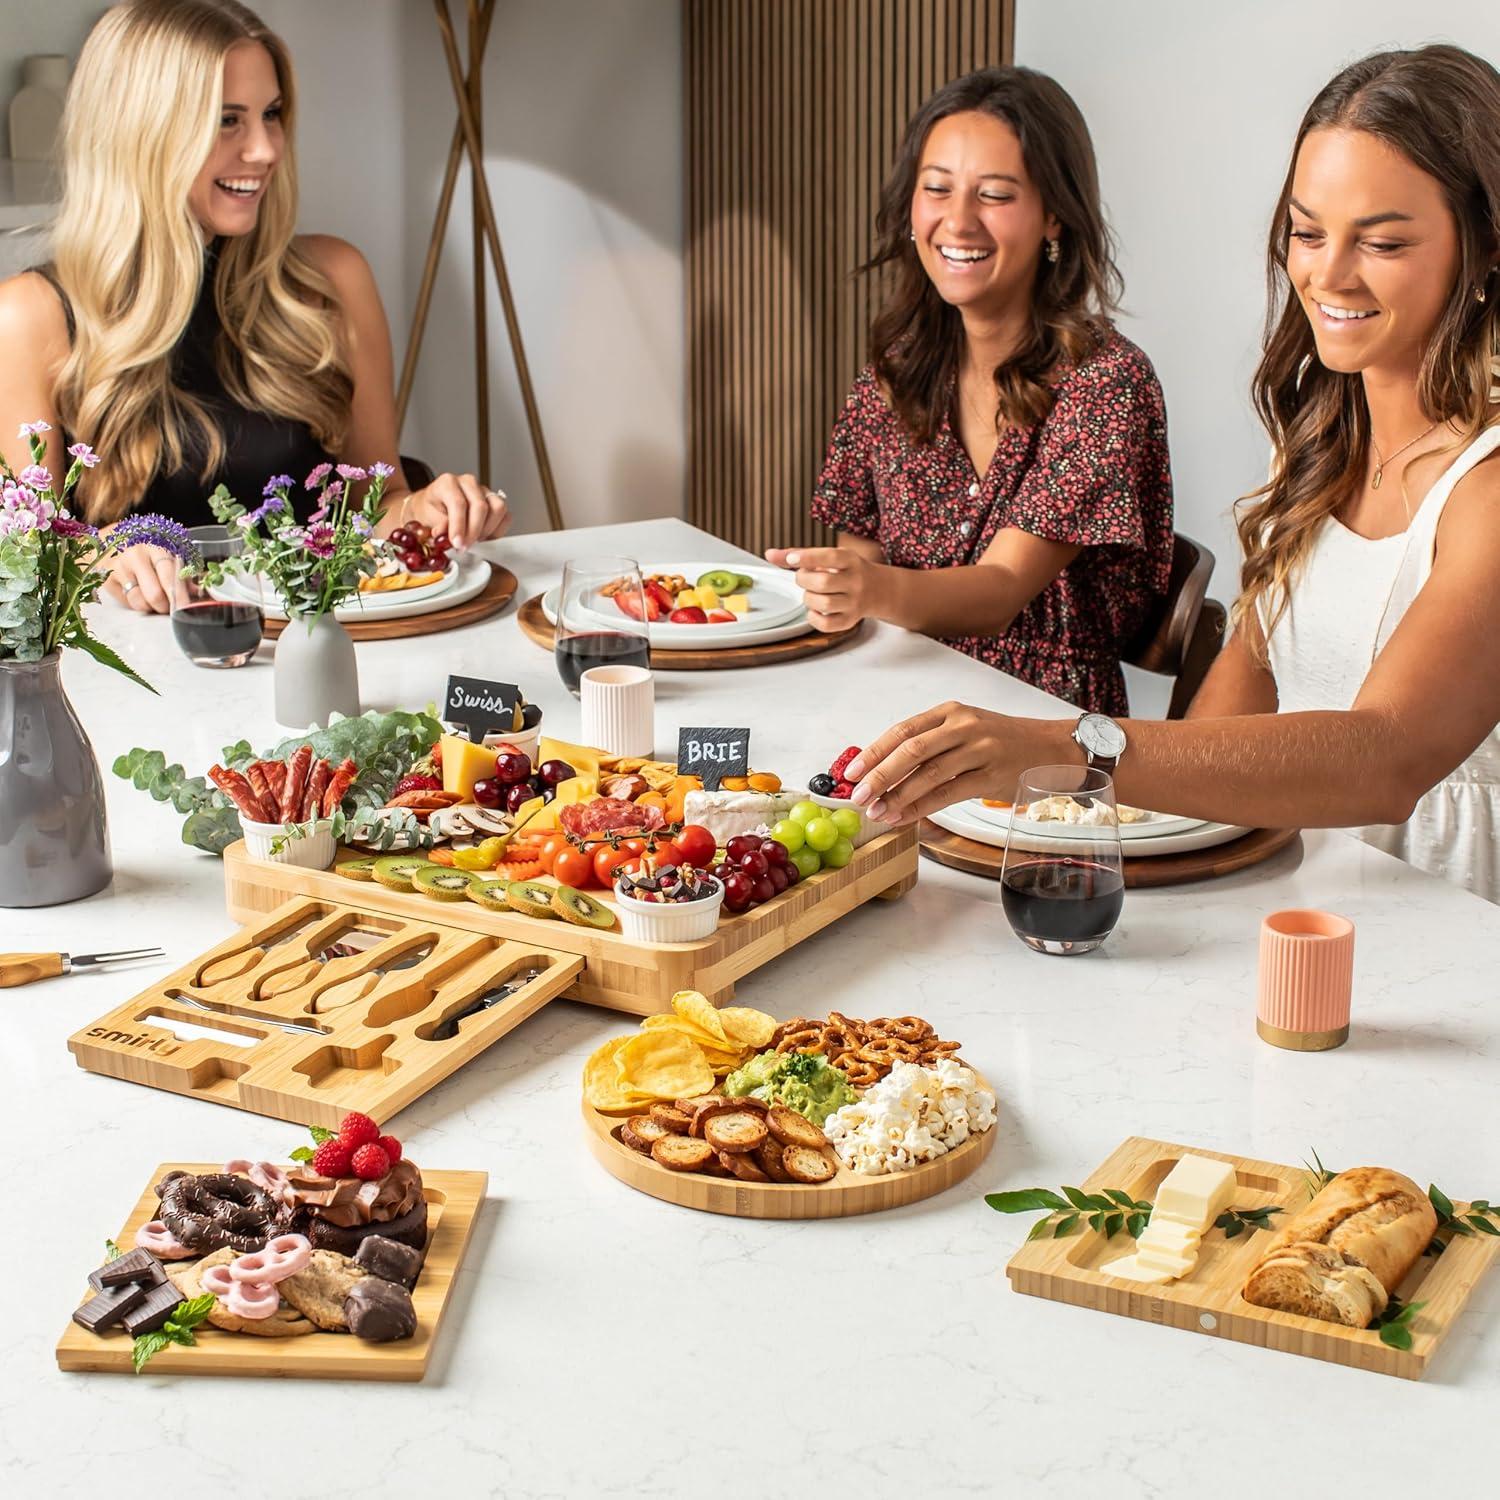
(382, 471)
(27, 428)
(67, 526)
(35, 477)
(351, 472)
(84, 454)
(317, 476)
(320, 540)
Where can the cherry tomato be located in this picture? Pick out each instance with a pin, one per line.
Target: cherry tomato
(552, 846)
(696, 845)
(607, 859)
(574, 867)
(668, 852)
(633, 846)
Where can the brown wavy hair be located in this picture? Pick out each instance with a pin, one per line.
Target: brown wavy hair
(1439, 107)
(916, 337)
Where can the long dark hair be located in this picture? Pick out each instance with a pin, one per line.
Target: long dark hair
(1440, 108)
(916, 337)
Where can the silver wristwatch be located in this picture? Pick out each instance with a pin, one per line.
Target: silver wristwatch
(1101, 740)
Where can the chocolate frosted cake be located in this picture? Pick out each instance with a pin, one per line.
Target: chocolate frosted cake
(337, 1213)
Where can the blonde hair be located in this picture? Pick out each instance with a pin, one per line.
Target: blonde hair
(142, 117)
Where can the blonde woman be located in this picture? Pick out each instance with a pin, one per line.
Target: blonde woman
(1361, 685)
(182, 329)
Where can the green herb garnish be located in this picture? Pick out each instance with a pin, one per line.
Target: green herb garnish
(178, 1329)
(1317, 1177)
(1395, 1322)
(1107, 1212)
(319, 1133)
(1478, 1218)
(1235, 1221)
(112, 1251)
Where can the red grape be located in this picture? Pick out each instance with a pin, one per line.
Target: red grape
(517, 796)
(512, 766)
(777, 876)
(763, 890)
(489, 791)
(441, 543)
(401, 538)
(738, 891)
(414, 560)
(740, 845)
(775, 853)
(792, 873)
(753, 863)
(554, 771)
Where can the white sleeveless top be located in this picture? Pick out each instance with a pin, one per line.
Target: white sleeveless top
(1350, 596)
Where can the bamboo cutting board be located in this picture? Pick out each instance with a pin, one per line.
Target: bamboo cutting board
(1208, 1301)
(453, 1200)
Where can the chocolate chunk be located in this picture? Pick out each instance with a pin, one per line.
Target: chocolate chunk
(379, 1311)
(389, 1259)
(136, 1265)
(106, 1308)
(154, 1311)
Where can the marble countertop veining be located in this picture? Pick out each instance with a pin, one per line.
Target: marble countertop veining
(603, 1344)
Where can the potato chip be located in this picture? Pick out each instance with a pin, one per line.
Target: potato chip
(747, 1028)
(696, 1008)
(665, 1065)
(690, 1029)
(603, 1086)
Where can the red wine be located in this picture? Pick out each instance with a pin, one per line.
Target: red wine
(604, 648)
(1070, 902)
(213, 633)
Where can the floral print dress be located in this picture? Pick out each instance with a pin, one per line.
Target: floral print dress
(1094, 472)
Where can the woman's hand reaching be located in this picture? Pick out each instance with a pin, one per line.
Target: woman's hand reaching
(142, 579)
(459, 506)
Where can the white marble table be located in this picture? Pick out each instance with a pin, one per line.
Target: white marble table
(604, 1344)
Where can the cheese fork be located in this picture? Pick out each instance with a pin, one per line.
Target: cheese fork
(24, 968)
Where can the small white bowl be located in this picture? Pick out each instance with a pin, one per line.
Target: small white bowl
(526, 741)
(314, 853)
(867, 829)
(670, 921)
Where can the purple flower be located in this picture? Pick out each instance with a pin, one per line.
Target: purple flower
(269, 506)
(150, 530)
(67, 526)
(319, 514)
(278, 482)
(27, 428)
(361, 525)
(84, 454)
(351, 472)
(317, 476)
(320, 540)
(35, 477)
(381, 471)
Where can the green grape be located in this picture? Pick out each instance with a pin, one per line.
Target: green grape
(821, 833)
(805, 812)
(839, 855)
(789, 833)
(807, 861)
(846, 820)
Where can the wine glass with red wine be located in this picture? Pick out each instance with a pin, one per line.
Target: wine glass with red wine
(1062, 884)
(217, 619)
(601, 618)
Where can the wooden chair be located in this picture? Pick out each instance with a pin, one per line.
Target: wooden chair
(1187, 631)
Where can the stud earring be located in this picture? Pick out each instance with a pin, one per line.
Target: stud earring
(1479, 293)
(911, 234)
(1054, 251)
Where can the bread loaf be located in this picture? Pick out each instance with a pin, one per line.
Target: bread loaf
(1342, 1256)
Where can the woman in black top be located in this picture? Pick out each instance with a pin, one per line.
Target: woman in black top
(182, 329)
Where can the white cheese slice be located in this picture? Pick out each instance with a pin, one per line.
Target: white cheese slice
(1171, 1237)
(1153, 1258)
(1129, 1268)
(1195, 1192)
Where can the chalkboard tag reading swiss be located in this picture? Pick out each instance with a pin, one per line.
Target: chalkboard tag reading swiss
(713, 754)
(482, 707)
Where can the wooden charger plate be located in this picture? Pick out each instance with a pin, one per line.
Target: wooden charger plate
(1208, 1300)
(845, 1194)
(534, 622)
(490, 600)
(453, 1200)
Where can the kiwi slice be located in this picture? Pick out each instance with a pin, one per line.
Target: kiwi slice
(720, 580)
(581, 910)
(490, 894)
(356, 869)
(743, 584)
(533, 897)
(442, 883)
(397, 870)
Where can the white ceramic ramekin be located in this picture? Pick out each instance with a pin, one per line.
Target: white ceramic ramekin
(670, 921)
(315, 853)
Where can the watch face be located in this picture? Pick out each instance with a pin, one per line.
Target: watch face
(1101, 736)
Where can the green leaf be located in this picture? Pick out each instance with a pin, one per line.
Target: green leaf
(1096, 1221)
(1397, 1335)
(1123, 1199)
(1024, 1200)
(1457, 1226)
(1113, 1225)
(191, 1313)
(109, 657)
(1078, 1198)
(1482, 1224)
(1041, 1230)
(304, 1153)
(321, 1133)
(1441, 1202)
(1233, 1229)
(147, 1345)
(112, 1251)
(1065, 1226)
(1135, 1225)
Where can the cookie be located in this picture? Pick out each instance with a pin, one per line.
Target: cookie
(318, 1291)
(187, 1277)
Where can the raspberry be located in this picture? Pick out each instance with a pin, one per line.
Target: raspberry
(415, 781)
(331, 1159)
(843, 789)
(370, 1162)
(358, 1130)
(837, 769)
(391, 1146)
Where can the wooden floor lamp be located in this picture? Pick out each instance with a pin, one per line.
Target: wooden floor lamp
(468, 139)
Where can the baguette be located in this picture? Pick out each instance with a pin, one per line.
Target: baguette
(1342, 1256)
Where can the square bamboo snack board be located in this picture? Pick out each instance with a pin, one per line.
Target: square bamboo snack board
(1208, 1301)
(375, 1053)
(453, 1200)
(638, 978)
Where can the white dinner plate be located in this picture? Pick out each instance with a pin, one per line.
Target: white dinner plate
(1154, 825)
(701, 636)
(957, 819)
(774, 601)
(469, 574)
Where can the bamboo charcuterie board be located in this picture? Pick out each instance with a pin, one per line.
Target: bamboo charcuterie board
(1208, 1300)
(453, 1200)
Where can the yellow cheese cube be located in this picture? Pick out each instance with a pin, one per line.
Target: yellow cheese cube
(738, 604)
(536, 816)
(464, 763)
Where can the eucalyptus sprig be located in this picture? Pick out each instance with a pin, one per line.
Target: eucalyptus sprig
(178, 1329)
(1107, 1212)
(1236, 1221)
(1395, 1322)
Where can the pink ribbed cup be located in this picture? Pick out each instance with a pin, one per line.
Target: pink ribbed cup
(1306, 979)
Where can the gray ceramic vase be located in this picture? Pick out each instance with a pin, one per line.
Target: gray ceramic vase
(316, 673)
(54, 838)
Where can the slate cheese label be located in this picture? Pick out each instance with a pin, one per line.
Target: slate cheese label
(713, 754)
(482, 707)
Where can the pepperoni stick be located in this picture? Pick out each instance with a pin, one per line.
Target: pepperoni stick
(255, 774)
(239, 791)
(317, 784)
(296, 783)
(276, 775)
(338, 784)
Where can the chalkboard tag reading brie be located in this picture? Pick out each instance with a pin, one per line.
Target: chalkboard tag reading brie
(483, 707)
(713, 754)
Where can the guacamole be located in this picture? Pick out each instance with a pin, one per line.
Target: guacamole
(802, 1081)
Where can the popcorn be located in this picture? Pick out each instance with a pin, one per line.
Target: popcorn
(913, 1115)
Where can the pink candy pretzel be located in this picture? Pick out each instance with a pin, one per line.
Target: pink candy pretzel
(266, 1175)
(247, 1285)
(156, 1238)
(246, 1299)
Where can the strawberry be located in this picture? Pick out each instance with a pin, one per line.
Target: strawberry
(837, 769)
(331, 1159)
(357, 1130)
(370, 1162)
(416, 781)
(391, 1146)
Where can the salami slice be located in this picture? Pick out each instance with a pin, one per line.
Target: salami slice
(609, 815)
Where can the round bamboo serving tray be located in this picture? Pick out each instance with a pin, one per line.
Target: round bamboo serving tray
(490, 600)
(534, 622)
(847, 1193)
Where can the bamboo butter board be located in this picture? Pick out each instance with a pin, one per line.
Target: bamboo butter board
(373, 1026)
(453, 1200)
(1208, 1300)
(638, 978)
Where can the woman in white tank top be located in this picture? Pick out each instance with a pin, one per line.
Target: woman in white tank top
(1360, 687)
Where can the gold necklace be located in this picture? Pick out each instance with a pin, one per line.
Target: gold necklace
(1380, 462)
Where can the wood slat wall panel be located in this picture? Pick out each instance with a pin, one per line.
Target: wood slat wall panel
(794, 112)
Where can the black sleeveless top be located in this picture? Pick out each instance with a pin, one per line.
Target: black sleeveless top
(256, 444)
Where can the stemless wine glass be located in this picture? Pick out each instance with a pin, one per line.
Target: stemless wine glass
(601, 618)
(216, 625)
(1062, 884)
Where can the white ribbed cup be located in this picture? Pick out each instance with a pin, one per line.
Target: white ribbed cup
(619, 710)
